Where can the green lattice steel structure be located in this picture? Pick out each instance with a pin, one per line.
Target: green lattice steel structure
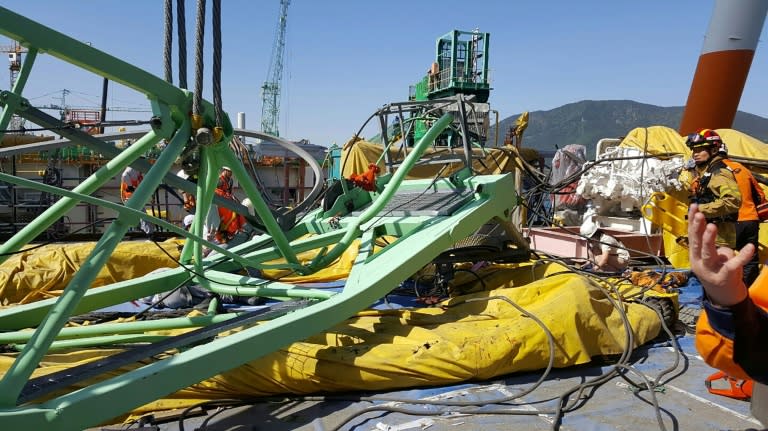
(50, 403)
(461, 67)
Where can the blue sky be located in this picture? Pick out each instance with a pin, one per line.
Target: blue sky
(347, 58)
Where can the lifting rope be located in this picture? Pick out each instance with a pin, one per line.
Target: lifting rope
(197, 98)
(168, 47)
(217, 53)
(182, 37)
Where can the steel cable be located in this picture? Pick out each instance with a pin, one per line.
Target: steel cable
(168, 47)
(182, 36)
(217, 52)
(197, 100)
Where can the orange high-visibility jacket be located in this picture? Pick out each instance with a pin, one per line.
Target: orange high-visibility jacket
(129, 180)
(751, 193)
(230, 222)
(734, 339)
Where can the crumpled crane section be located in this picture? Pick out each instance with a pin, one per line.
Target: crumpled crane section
(470, 337)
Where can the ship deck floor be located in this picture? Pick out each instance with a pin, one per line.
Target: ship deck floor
(682, 402)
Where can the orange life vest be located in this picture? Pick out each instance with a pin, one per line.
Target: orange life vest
(230, 222)
(128, 184)
(751, 193)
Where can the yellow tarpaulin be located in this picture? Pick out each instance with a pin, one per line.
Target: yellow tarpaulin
(338, 270)
(357, 155)
(662, 139)
(44, 272)
(460, 341)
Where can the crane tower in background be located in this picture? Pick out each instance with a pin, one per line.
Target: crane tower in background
(270, 91)
(14, 58)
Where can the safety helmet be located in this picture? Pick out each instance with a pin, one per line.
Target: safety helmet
(248, 204)
(188, 219)
(704, 138)
(589, 228)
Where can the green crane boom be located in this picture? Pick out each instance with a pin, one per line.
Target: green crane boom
(270, 91)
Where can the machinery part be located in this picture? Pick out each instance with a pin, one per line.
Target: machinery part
(735, 388)
(689, 317)
(665, 306)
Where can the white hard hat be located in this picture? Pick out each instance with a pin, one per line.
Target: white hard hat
(589, 228)
(248, 204)
(188, 219)
(226, 167)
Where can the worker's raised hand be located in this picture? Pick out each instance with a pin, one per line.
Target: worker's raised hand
(718, 269)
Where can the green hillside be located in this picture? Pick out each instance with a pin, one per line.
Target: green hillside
(588, 121)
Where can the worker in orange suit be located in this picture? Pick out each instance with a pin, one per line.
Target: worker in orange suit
(731, 332)
(226, 183)
(129, 182)
(230, 224)
(223, 224)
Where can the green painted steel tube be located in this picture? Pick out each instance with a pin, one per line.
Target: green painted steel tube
(132, 212)
(81, 343)
(368, 282)
(213, 306)
(122, 328)
(10, 103)
(62, 206)
(14, 103)
(387, 193)
(257, 252)
(261, 208)
(225, 285)
(243, 261)
(26, 70)
(22, 368)
(34, 35)
(203, 205)
(30, 315)
(109, 150)
(391, 188)
(273, 292)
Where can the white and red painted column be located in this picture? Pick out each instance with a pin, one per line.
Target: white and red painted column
(729, 46)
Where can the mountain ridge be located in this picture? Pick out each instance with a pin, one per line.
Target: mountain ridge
(587, 121)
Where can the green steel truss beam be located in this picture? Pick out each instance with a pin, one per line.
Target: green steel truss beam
(420, 240)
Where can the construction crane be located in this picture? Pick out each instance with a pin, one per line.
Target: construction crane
(270, 91)
(14, 58)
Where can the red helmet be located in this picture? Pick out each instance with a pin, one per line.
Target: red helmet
(704, 138)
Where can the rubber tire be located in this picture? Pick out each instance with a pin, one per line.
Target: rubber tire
(666, 307)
